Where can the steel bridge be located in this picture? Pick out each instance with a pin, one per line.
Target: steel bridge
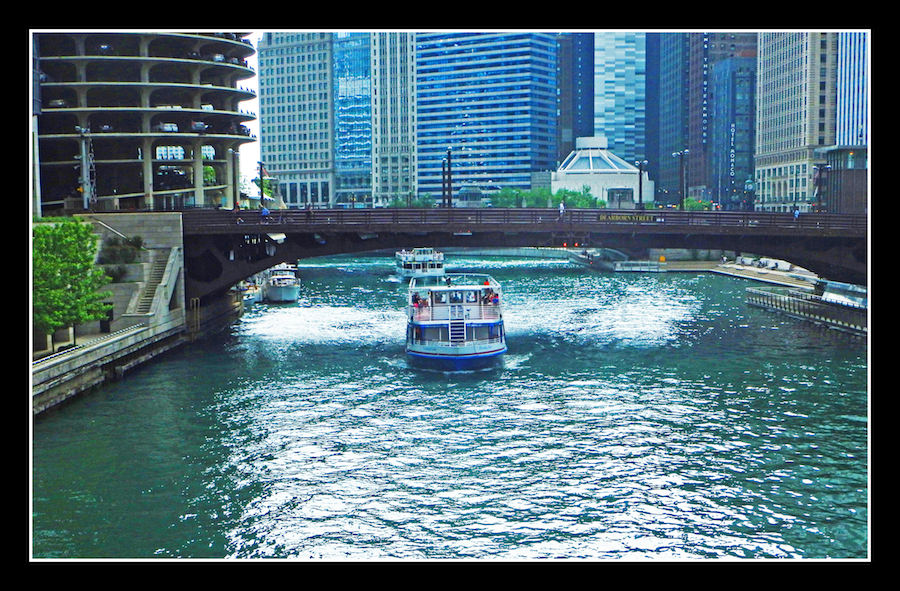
(224, 247)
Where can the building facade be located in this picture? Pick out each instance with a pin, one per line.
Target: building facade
(620, 108)
(576, 90)
(352, 119)
(296, 115)
(842, 181)
(490, 99)
(705, 50)
(140, 121)
(394, 124)
(796, 102)
(732, 129)
(592, 166)
(673, 113)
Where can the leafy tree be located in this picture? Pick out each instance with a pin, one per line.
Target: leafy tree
(697, 205)
(426, 201)
(64, 278)
(507, 197)
(268, 186)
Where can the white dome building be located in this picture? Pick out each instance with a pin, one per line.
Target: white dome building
(607, 176)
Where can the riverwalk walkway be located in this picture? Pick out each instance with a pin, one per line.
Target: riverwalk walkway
(799, 278)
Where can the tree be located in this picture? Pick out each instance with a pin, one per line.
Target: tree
(64, 278)
(697, 205)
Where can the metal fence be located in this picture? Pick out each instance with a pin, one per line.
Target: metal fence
(812, 307)
(207, 220)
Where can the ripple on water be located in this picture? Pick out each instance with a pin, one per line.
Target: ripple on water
(634, 417)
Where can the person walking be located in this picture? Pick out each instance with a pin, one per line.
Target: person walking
(562, 211)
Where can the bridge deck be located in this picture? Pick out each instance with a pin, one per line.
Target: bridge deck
(208, 221)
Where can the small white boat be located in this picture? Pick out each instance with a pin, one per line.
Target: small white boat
(252, 294)
(455, 322)
(420, 262)
(281, 284)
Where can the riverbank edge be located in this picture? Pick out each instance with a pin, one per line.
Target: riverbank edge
(800, 279)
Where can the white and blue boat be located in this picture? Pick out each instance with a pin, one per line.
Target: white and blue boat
(420, 262)
(281, 284)
(455, 321)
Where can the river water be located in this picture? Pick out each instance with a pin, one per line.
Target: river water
(635, 416)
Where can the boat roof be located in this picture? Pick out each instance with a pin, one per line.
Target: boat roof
(418, 250)
(456, 281)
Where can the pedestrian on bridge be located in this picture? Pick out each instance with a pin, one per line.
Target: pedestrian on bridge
(562, 211)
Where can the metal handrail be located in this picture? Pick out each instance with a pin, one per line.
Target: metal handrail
(77, 349)
(280, 220)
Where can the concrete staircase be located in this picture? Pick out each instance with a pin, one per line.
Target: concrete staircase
(145, 304)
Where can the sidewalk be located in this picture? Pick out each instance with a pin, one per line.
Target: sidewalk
(82, 339)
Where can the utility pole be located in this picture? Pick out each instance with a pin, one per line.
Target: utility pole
(449, 190)
(681, 154)
(641, 164)
(87, 167)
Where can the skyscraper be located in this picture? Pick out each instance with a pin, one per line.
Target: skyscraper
(352, 119)
(296, 104)
(795, 115)
(576, 90)
(620, 92)
(842, 181)
(490, 98)
(853, 89)
(705, 51)
(673, 112)
(731, 132)
(393, 116)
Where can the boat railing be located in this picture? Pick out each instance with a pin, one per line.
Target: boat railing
(456, 344)
(439, 312)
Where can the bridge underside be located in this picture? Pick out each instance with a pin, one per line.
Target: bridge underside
(216, 262)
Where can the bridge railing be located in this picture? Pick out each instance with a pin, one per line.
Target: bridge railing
(209, 220)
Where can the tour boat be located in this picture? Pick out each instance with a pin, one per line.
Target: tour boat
(420, 262)
(281, 284)
(455, 322)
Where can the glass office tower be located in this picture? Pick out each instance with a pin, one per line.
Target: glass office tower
(731, 132)
(853, 89)
(352, 119)
(620, 111)
(490, 98)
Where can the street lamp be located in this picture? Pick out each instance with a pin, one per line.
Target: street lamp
(640, 164)
(449, 174)
(681, 154)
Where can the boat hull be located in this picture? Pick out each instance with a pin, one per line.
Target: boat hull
(283, 293)
(455, 361)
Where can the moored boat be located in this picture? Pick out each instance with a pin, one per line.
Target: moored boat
(281, 284)
(252, 294)
(455, 322)
(420, 262)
